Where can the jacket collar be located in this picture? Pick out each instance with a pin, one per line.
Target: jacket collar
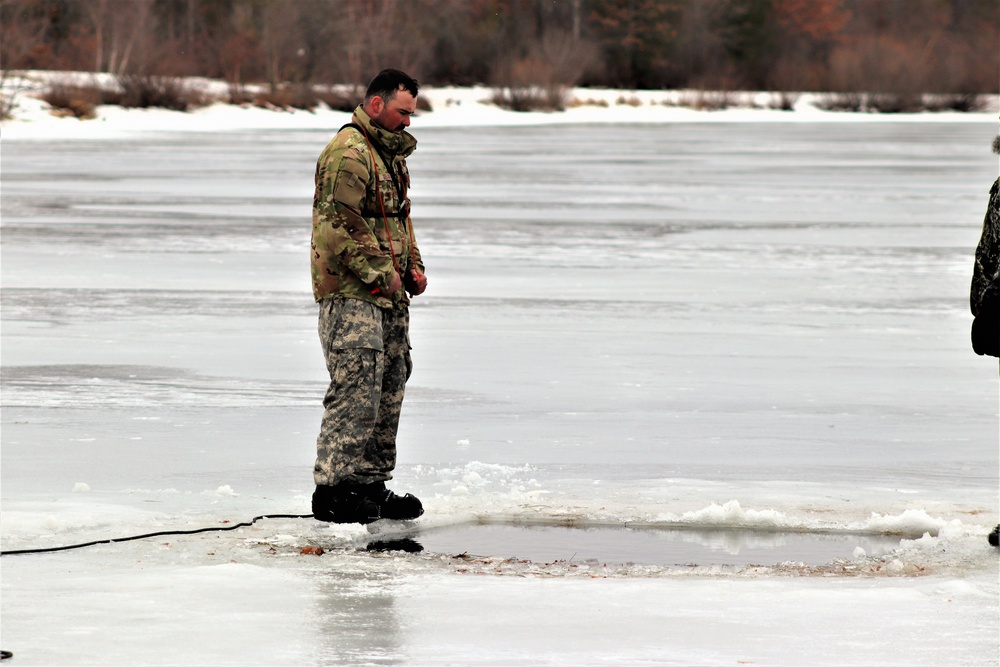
(401, 144)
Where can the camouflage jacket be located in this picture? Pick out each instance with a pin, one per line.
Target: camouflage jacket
(352, 255)
(986, 271)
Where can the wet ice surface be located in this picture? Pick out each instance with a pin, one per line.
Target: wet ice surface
(722, 330)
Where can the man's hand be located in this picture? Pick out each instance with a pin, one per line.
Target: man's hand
(392, 286)
(415, 282)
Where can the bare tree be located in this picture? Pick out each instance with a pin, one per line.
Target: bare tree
(280, 40)
(124, 31)
(369, 40)
(22, 33)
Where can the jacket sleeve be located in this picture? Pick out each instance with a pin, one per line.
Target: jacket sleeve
(416, 260)
(986, 272)
(341, 182)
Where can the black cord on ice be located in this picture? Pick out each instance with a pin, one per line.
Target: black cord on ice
(15, 552)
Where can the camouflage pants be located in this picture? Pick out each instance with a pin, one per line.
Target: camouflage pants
(367, 352)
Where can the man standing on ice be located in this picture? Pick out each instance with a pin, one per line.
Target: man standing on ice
(984, 297)
(365, 263)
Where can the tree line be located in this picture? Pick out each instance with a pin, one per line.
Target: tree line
(888, 46)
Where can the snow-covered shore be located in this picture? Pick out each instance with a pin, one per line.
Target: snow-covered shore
(452, 107)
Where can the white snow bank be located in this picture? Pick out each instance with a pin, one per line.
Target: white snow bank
(452, 107)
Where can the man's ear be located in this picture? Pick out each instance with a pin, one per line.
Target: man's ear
(377, 104)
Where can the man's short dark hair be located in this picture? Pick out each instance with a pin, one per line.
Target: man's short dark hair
(388, 82)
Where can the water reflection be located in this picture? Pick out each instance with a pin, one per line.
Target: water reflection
(358, 620)
(406, 544)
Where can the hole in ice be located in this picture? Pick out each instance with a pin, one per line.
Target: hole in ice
(640, 546)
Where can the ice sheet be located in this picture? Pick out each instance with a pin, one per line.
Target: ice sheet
(725, 326)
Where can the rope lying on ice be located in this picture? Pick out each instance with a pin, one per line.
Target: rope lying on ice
(15, 552)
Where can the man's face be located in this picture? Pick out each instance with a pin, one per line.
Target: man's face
(395, 114)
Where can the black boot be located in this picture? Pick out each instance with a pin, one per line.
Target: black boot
(392, 506)
(994, 537)
(343, 504)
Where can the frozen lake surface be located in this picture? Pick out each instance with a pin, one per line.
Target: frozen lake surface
(721, 333)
